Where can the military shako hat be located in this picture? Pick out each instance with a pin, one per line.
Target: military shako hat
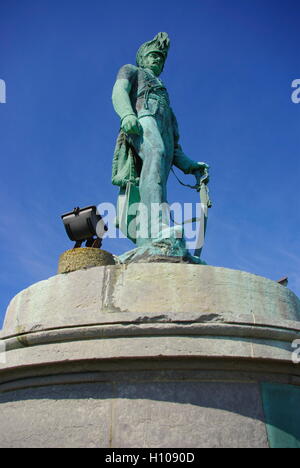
(160, 44)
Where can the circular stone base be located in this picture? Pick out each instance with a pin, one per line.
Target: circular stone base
(153, 355)
(82, 258)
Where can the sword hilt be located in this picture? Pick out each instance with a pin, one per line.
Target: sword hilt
(202, 178)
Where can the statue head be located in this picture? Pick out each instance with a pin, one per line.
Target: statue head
(153, 54)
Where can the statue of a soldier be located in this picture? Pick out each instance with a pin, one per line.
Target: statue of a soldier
(147, 145)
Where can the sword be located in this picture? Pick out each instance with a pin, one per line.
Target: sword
(202, 178)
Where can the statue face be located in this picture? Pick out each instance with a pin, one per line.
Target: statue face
(155, 61)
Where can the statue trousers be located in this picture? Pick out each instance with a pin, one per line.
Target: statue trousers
(155, 146)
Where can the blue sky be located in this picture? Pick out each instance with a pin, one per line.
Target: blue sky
(229, 75)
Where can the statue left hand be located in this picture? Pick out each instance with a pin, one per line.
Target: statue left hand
(201, 172)
(200, 167)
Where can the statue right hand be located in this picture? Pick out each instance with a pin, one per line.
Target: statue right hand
(132, 125)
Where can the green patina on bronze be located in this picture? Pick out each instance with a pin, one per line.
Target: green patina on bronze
(139, 93)
(282, 412)
(148, 143)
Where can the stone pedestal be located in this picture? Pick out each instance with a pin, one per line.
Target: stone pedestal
(150, 355)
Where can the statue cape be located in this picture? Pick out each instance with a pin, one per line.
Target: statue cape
(127, 164)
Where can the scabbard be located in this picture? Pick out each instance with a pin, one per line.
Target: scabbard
(205, 204)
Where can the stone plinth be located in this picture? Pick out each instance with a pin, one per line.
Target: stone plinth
(147, 355)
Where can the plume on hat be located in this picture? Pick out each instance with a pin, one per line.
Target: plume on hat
(160, 43)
